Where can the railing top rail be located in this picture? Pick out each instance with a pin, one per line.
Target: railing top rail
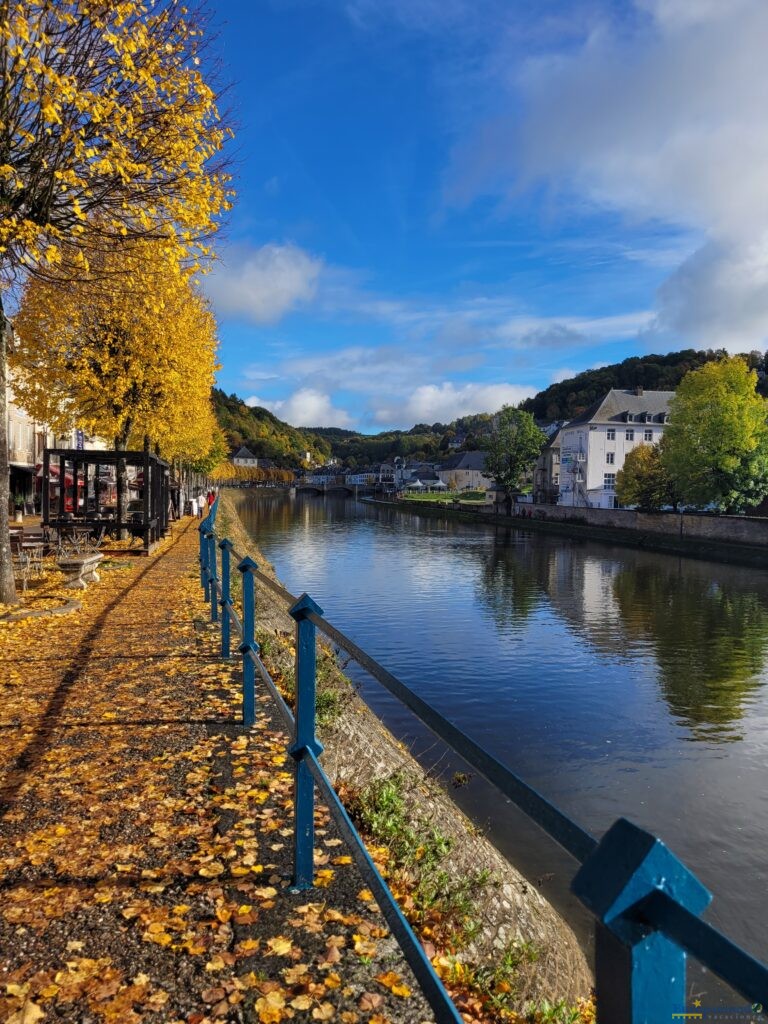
(709, 946)
(578, 842)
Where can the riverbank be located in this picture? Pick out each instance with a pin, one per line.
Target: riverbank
(509, 922)
(736, 540)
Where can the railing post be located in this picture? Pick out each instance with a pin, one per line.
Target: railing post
(249, 644)
(226, 596)
(213, 593)
(304, 739)
(639, 973)
(203, 561)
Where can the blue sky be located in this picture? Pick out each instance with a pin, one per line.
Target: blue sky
(445, 205)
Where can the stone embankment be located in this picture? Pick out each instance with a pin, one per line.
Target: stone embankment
(741, 540)
(359, 750)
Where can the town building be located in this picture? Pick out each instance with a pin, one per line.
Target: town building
(546, 473)
(27, 439)
(465, 472)
(245, 457)
(593, 446)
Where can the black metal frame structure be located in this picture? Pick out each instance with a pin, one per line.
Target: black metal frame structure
(151, 524)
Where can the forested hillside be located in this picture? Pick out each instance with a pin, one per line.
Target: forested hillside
(264, 434)
(568, 398)
(268, 436)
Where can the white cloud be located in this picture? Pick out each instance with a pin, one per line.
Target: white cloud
(668, 123)
(719, 294)
(431, 403)
(262, 285)
(529, 332)
(306, 407)
(682, 14)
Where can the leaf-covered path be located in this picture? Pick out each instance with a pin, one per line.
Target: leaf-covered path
(145, 845)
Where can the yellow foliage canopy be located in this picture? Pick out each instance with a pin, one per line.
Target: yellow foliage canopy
(104, 110)
(128, 355)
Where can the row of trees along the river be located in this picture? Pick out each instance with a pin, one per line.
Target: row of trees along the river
(112, 185)
(714, 452)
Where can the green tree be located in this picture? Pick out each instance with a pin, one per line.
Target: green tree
(644, 481)
(716, 444)
(512, 448)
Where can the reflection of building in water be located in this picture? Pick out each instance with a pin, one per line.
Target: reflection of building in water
(705, 625)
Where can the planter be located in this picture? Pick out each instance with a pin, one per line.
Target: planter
(18, 515)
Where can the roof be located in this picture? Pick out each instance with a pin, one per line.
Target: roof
(244, 453)
(616, 404)
(465, 460)
(556, 437)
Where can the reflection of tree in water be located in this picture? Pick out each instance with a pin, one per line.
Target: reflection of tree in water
(509, 585)
(709, 641)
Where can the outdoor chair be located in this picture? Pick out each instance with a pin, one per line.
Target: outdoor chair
(20, 561)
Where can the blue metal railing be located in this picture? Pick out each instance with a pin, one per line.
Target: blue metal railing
(645, 901)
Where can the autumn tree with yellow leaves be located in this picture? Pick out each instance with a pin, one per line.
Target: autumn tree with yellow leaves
(108, 133)
(128, 353)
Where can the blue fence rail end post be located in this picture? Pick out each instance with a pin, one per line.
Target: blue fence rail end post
(639, 973)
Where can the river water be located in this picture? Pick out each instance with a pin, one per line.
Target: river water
(616, 681)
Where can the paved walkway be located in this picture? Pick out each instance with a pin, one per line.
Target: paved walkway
(145, 841)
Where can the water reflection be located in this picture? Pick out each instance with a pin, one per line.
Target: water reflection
(510, 583)
(709, 638)
(703, 625)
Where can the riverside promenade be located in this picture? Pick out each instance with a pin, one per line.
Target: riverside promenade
(145, 839)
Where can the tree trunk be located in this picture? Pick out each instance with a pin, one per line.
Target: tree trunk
(121, 476)
(508, 503)
(7, 584)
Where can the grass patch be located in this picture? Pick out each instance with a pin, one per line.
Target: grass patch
(448, 497)
(437, 902)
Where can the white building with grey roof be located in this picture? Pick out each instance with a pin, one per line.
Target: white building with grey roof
(593, 446)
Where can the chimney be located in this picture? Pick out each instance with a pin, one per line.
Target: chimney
(639, 391)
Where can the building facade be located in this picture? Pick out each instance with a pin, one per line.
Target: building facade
(546, 473)
(593, 446)
(465, 472)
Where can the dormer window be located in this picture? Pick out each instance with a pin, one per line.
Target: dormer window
(628, 417)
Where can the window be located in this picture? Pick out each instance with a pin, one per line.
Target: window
(648, 435)
(556, 478)
(556, 458)
(609, 481)
(610, 458)
(611, 434)
(630, 435)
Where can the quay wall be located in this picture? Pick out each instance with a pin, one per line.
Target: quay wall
(737, 539)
